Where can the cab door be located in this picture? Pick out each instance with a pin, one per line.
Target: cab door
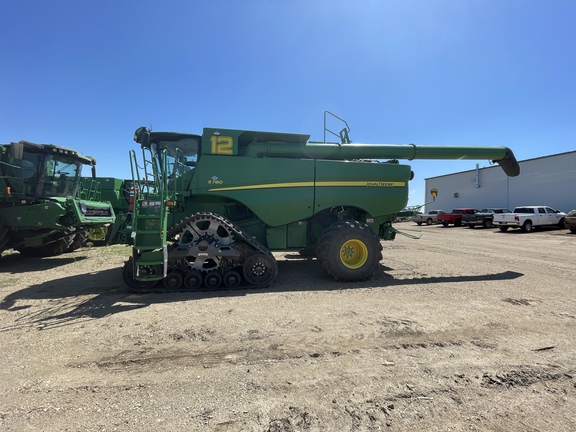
(552, 216)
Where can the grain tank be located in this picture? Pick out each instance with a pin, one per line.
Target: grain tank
(212, 208)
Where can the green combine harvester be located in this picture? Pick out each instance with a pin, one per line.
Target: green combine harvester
(210, 209)
(43, 210)
(120, 194)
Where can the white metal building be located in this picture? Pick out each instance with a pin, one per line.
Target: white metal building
(548, 180)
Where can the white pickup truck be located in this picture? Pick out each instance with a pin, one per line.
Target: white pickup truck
(528, 217)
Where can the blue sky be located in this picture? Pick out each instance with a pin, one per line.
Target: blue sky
(86, 74)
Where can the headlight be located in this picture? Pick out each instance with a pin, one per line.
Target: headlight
(83, 208)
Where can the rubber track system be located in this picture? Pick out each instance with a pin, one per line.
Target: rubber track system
(244, 242)
(53, 248)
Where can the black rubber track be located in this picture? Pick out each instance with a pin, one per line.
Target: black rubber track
(240, 236)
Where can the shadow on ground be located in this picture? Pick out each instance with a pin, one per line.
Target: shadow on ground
(99, 294)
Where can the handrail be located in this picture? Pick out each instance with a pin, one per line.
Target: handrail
(343, 134)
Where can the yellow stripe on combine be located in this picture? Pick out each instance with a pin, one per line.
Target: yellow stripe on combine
(375, 183)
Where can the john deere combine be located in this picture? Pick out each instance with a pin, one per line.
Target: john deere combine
(42, 211)
(211, 208)
(120, 194)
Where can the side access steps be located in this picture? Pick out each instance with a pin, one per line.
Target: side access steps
(150, 253)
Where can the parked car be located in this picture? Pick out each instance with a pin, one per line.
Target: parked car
(484, 217)
(429, 218)
(570, 221)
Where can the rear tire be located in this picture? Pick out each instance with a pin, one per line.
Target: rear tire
(527, 226)
(429, 221)
(349, 251)
(77, 241)
(487, 223)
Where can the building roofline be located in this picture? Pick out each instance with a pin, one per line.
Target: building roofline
(495, 166)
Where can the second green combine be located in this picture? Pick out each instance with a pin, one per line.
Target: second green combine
(43, 209)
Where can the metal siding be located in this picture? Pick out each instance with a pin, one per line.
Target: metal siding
(549, 180)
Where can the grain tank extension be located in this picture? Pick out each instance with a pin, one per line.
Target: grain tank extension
(212, 208)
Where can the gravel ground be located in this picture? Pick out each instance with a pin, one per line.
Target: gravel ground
(463, 329)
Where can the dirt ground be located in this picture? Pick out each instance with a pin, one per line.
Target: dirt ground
(463, 329)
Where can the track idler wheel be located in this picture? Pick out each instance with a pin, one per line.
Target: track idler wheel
(193, 280)
(128, 275)
(213, 279)
(260, 270)
(232, 279)
(174, 280)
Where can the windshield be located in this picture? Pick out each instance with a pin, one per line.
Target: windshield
(48, 175)
(182, 154)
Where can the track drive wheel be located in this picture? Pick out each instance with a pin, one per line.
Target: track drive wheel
(349, 251)
(128, 275)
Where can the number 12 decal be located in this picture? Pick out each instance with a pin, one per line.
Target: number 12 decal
(221, 145)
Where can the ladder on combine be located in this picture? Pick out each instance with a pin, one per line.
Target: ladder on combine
(150, 215)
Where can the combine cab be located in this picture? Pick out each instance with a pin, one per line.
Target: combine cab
(212, 208)
(40, 212)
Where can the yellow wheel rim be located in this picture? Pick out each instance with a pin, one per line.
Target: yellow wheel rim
(353, 254)
(97, 234)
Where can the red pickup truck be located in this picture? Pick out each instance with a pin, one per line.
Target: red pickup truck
(456, 216)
